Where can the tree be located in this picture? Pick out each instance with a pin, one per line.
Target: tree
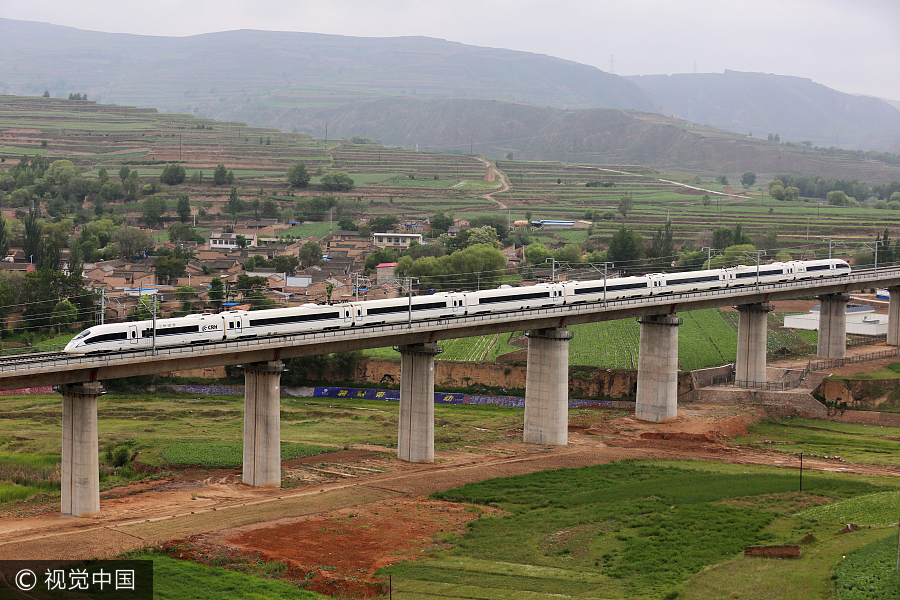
(186, 295)
(837, 198)
(310, 254)
(168, 269)
(124, 172)
(153, 209)
(5, 237)
(286, 264)
(297, 175)
(662, 246)
(270, 209)
(483, 235)
(61, 172)
(256, 204)
(220, 175)
(216, 292)
(31, 241)
(570, 253)
(241, 241)
(626, 203)
(777, 138)
(705, 201)
(183, 208)
(64, 313)
(173, 174)
(339, 181)
(182, 232)
(132, 241)
(536, 253)
(441, 222)
(234, 205)
(382, 224)
(509, 156)
(229, 178)
(103, 175)
(777, 192)
(625, 246)
(748, 178)
(46, 94)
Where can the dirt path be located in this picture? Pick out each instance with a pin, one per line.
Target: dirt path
(504, 183)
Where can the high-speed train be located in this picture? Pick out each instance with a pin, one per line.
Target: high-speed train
(238, 324)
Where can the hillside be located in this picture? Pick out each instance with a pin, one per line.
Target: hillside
(212, 74)
(595, 136)
(797, 109)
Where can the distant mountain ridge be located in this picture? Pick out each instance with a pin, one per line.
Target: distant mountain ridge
(308, 82)
(169, 72)
(598, 136)
(797, 109)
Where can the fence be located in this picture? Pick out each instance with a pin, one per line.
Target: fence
(769, 386)
(832, 363)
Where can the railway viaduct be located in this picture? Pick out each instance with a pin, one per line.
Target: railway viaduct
(546, 393)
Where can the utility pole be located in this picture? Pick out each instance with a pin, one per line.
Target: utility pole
(154, 324)
(832, 243)
(326, 139)
(102, 305)
(356, 287)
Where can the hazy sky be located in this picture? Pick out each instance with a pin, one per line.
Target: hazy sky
(849, 45)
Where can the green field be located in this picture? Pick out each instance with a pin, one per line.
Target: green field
(706, 338)
(641, 530)
(175, 579)
(814, 438)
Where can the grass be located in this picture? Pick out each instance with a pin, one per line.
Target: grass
(175, 579)
(870, 572)
(628, 529)
(853, 443)
(183, 429)
(228, 454)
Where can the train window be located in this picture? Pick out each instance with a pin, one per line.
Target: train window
(133, 333)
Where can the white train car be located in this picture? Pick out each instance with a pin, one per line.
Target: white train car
(615, 288)
(138, 335)
(688, 281)
(442, 305)
(286, 321)
(506, 298)
(812, 269)
(206, 328)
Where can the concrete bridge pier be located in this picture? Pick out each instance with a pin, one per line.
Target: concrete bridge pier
(657, 378)
(415, 439)
(547, 387)
(262, 424)
(832, 325)
(80, 469)
(893, 332)
(750, 364)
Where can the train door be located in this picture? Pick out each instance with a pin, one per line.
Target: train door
(132, 334)
(234, 323)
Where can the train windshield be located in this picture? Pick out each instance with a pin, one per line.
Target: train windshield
(81, 335)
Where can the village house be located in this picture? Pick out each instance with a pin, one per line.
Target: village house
(396, 240)
(229, 241)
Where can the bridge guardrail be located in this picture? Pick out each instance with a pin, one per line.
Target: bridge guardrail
(84, 361)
